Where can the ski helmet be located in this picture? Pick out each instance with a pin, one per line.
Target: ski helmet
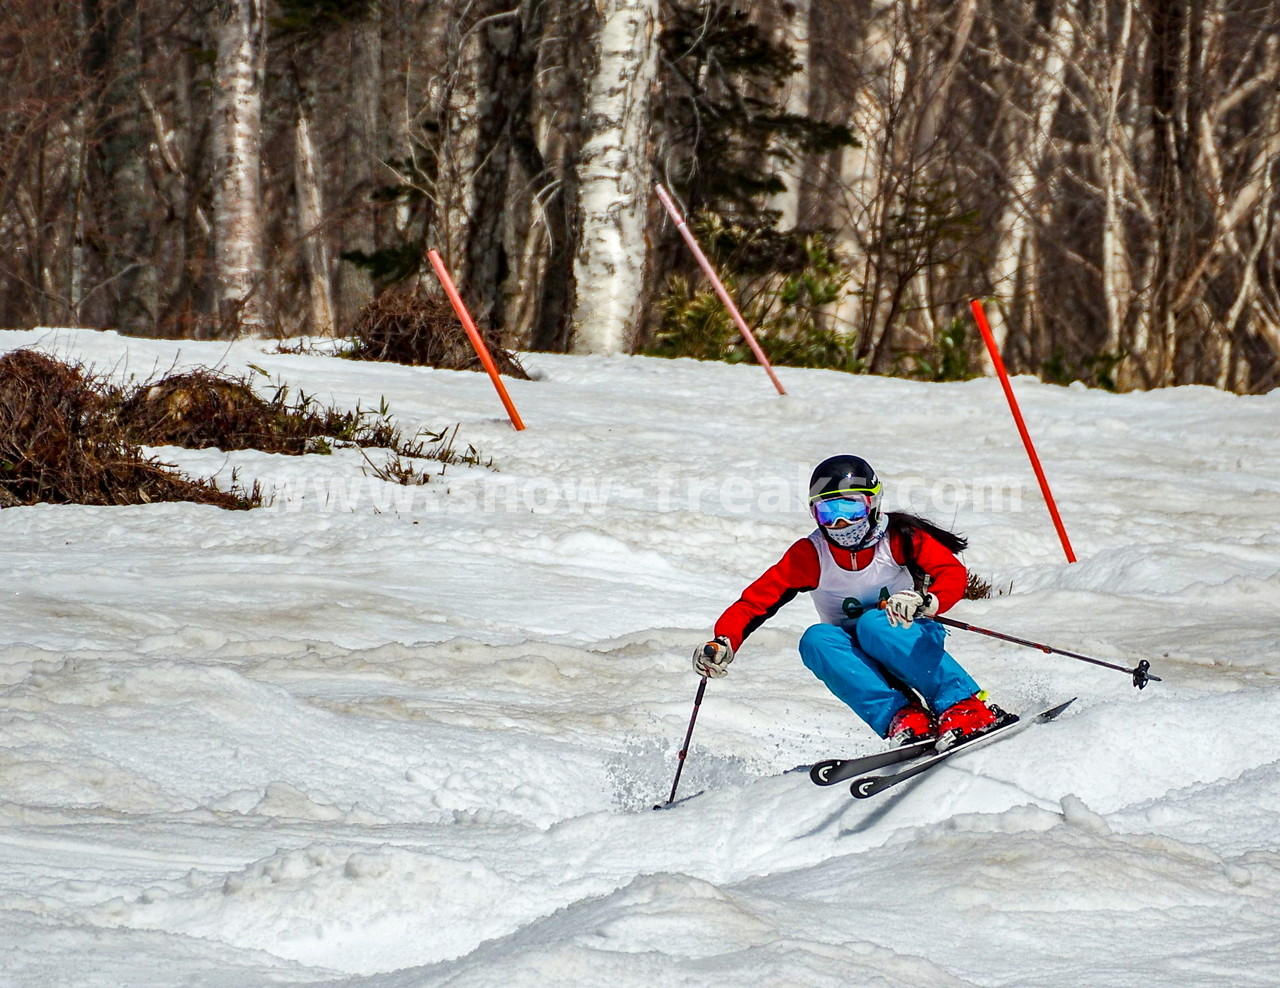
(845, 488)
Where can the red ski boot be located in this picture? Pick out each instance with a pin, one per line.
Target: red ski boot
(911, 723)
(965, 718)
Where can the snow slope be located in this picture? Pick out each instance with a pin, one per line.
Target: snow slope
(407, 737)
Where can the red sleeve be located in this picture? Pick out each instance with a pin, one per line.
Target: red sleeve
(949, 577)
(797, 571)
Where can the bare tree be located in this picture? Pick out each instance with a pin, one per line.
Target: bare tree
(114, 61)
(504, 71)
(1106, 173)
(546, 134)
(311, 218)
(363, 151)
(613, 179)
(243, 300)
(1030, 90)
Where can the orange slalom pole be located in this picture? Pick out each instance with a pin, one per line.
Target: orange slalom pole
(477, 340)
(994, 351)
(709, 271)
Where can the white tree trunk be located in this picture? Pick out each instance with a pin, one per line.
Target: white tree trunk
(958, 26)
(75, 207)
(1114, 138)
(315, 249)
(1029, 144)
(863, 167)
(456, 94)
(613, 177)
(361, 232)
(1228, 367)
(795, 35)
(237, 197)
(933, 98)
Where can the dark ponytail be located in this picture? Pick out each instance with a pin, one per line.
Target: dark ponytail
(907, 525)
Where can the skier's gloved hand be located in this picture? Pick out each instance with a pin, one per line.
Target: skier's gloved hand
(713, 658)
(907, 605)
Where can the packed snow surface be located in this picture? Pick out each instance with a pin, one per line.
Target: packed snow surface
(400, 737)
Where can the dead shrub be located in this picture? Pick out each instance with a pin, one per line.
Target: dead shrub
(977, 588)
(203, 408)
(60, 444)
(68, 437)
(199, 409)
(421, 328)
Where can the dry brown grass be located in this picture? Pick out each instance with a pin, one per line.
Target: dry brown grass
(205, 408)
(421, 328)
(977, 588)
(70, 437)
(59, 443)
(199, 409)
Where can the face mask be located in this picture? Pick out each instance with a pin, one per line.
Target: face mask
(850, 536)
(851, 512)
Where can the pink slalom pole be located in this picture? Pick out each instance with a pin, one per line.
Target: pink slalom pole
(994, 351)
(477, 340)
(709, 271)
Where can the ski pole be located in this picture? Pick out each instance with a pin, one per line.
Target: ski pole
(684, 752)
(1140, 673)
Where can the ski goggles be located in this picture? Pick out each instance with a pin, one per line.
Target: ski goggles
(850, 507)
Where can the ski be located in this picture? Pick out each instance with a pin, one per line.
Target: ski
(833, 770)
(868, 786)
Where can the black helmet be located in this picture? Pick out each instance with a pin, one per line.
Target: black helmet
(843, 473)
(847, 476)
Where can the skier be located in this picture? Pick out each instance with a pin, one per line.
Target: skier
(869, 651)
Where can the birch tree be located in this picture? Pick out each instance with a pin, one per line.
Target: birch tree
(363, 151)
(242, 295)
(1230, 179)
(613, 179)
(455, 100)
(791, 30)
(909, 174)
(310, 207)
(855, 57)
(1026, 148)
(1116, 265)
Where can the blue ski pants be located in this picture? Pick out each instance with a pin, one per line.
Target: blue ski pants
(863, 665)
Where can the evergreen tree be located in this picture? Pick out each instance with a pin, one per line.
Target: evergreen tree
(724, 139)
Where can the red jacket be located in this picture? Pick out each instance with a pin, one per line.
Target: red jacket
(798, 571)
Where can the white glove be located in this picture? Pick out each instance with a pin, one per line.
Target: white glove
(713, 658)
(907, 605)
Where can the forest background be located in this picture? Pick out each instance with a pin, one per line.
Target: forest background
(1103, 172)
